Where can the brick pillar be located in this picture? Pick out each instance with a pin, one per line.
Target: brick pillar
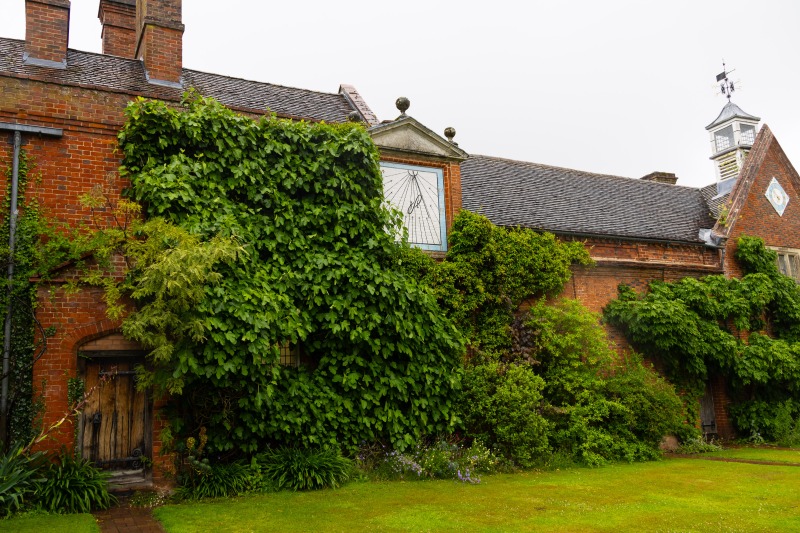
(118, 18)
(46, 33)
(159, 40)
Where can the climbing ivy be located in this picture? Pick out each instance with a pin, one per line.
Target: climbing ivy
(305, 257)
(21, 406)
(747, 330)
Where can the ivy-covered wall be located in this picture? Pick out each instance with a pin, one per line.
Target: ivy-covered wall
(317, 266)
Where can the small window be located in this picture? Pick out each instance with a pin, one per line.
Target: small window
(789, 262)
(724, 138)
(290, 354)
(748, 135)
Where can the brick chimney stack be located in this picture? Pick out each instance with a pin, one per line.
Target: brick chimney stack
(46, 33)
(159, 40)
(118, 18)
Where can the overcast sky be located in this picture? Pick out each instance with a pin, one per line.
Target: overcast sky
(616, 87)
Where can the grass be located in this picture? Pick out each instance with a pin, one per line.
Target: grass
(759, 453)
(39, 523)
(672, 495)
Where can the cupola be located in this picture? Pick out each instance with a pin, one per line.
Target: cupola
(733, 133)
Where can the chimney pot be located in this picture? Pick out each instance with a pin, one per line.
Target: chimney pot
(118, 18)
(661, 177)
(159, 40)
(46, 33)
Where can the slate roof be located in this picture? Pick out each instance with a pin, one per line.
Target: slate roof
(566, 201)
(127, 75)
(713, 199)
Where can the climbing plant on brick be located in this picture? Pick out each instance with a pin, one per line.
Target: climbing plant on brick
(747, 330)
(541, 379)
(318, 272)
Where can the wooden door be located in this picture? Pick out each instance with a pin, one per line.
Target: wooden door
(708, 417)
(115, 426)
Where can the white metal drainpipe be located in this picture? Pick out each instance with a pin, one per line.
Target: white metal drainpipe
(18, 129)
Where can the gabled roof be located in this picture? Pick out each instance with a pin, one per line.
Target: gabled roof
(119, 74)
(566, 201)
(409, 136)
(730, 111)
(764, 142)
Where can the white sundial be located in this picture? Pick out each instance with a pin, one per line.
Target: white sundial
(417, 192)
(777, 196)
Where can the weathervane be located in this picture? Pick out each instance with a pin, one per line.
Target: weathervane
(726, 87)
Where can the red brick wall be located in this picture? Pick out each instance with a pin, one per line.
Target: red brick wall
(757, 216)
(65, 169)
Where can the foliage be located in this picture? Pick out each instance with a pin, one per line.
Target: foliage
(697, 445)
(273, 233)
(19, 473)
(304, 468)
(73, 485)
(744, 329)
(489, 271)
(777, 421)
(437, 459)
(21, 407)
(502, 405)
(542, 381)
(217, 481)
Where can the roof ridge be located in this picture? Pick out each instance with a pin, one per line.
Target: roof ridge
(216, 74)
(586, 172)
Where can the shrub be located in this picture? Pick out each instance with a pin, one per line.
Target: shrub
(771, 421)
(501, 405)
(440, 459)
(216, 481)
(698, 445)
(18, 477)
(74, 486)
(305, 468)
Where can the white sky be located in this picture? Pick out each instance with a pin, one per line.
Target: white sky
(614, 86)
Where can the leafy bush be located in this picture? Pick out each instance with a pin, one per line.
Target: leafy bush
(216, 481)
(777, 422)
(73, 486)
(19, 474)
(697, 445)
(304, 468)
(501, 405)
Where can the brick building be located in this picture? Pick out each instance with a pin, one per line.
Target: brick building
(65, 108)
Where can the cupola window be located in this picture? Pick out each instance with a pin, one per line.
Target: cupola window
(724, 138)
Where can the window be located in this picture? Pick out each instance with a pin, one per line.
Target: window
(290, 354)
(724, 138)
(789, 262)
(748, 134)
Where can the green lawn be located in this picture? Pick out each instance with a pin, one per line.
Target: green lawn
(671, 495)
(760, 453)
(36, 523)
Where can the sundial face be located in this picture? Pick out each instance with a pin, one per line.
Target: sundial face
(418, 193)
(777, 196)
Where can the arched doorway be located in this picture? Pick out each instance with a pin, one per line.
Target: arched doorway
(115, 428)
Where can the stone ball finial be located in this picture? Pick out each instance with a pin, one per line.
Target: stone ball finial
(450, 132)
(354, 116)
(402, 104)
